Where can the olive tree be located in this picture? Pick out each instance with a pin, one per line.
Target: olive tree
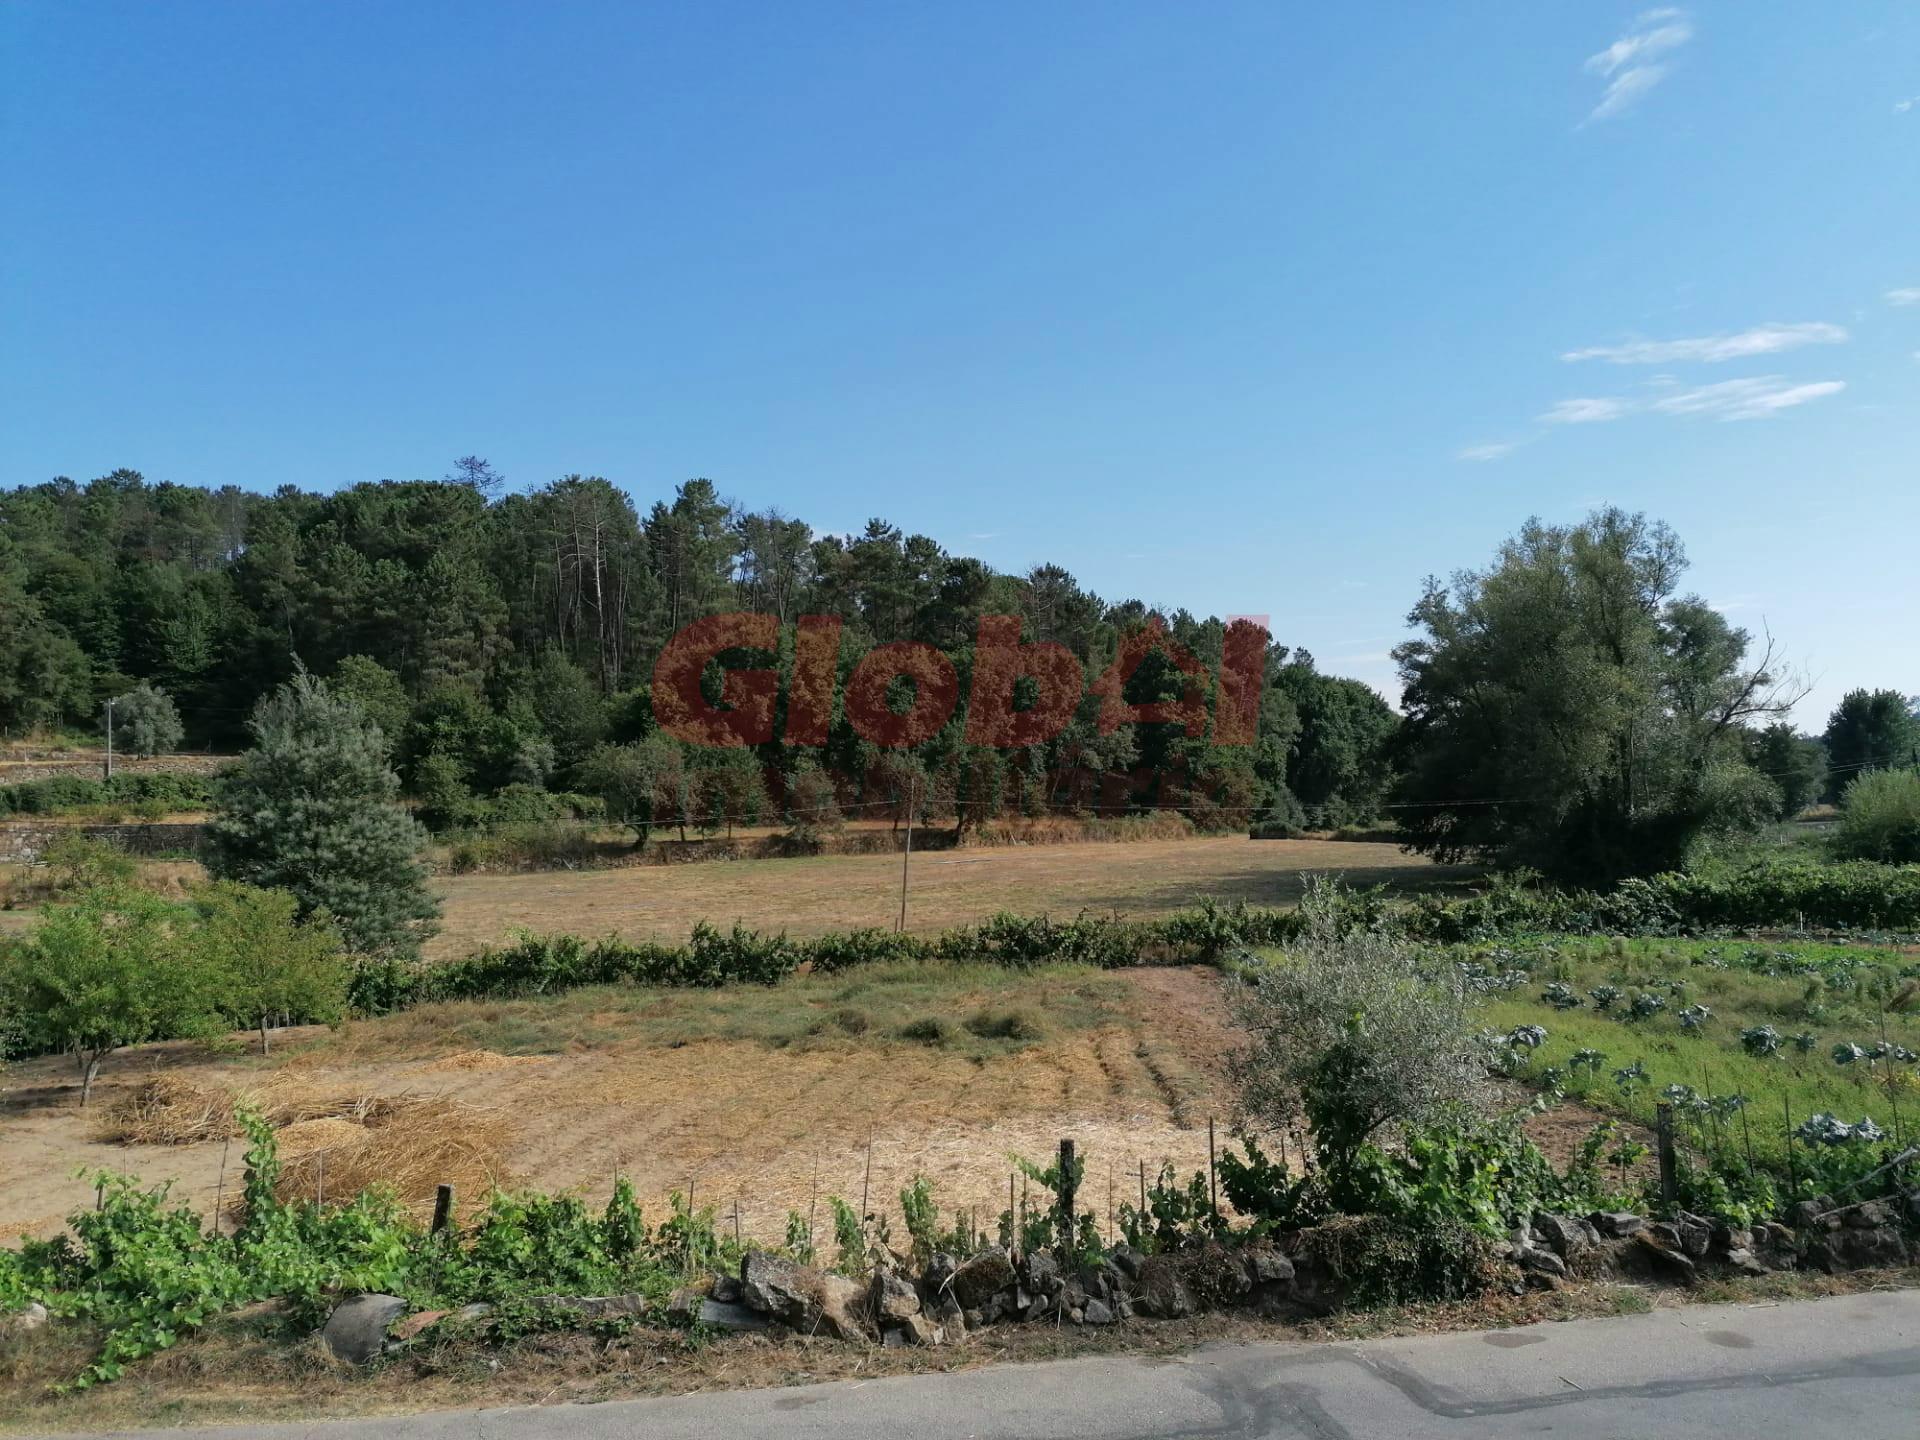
(270, 964)
(145, 721)
(1354, 1032)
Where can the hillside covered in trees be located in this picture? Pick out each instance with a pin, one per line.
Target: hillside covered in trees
(508, 642)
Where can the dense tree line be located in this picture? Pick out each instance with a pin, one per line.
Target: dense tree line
(505, 644)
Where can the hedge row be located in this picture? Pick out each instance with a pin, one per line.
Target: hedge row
(548, 964)
(64, 793)
(1781, 895)
(1857, 896)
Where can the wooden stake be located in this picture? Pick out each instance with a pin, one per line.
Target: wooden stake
(220, 1191)
(866, 1185)
(1663, 1134)
(1213, 1194)
(442, 1208)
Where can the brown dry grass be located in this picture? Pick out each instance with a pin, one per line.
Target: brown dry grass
(414, 1149)
(946, 888)
(766, 1096)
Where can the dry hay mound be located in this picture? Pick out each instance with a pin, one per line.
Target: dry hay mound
(484, 1060)
(419, 1145)
(170, 1110)
(305, 1137)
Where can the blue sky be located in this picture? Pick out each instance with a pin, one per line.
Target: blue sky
(1252, 308)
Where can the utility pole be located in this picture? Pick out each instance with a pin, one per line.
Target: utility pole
(109, 739)
(905, 857)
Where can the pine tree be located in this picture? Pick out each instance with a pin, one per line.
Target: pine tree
(313, 809)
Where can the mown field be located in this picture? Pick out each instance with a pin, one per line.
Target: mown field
(945, 888)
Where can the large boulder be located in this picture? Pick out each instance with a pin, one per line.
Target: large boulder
(356, 1332)
(841, 1305)
(780, 1288)
(1162, 1289)
(982, 1279)
(1569, 1236)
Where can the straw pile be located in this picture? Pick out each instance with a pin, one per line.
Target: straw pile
(484, 1060)
(420, 1145)
(172, 1110)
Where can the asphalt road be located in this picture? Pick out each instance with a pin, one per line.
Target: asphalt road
(1847, 1367)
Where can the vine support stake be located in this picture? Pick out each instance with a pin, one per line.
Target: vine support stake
(1143, 1191)
(866, 1185)
(442, 1208)
(1213, 1192)
(220, 1190)
(1066, 1192)
(1663, 1136)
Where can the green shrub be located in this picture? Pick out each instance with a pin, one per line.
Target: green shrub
(1880, 818)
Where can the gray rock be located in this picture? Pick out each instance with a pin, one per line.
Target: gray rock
(726, 1289)
(1042, 1272)
(841, 1307)
(1269, 1267)
(1744, 1262)
(892, 1298)
(32, 1316)
(357, 1330)
(1616, 1223)
(1128, 1259)
(1163, 1289)
(940, 1271)
(1856, 1249)
(779, 1288)
(683, 1306)
(1096, 1313)
(1657, 1262)
(722, 1315)
(949, 1317)
(1566, 1236)
(1870, 1216)
(1546, 1262)
(981, 1278)
(597, 1307)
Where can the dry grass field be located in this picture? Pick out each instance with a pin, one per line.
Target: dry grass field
(770, 1097)
(946, 888)
(755, 1095)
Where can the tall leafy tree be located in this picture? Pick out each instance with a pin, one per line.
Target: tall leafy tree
(313, 809)
(1869, 730)
(1569, 710)
(145, 721)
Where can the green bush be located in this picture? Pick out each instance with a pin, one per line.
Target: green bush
(1880, 818)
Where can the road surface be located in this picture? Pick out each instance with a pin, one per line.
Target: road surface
(1813, 1370)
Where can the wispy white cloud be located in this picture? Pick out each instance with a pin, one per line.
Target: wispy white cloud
(1587, 410)
(1901, 107)
(1757, 398)
(1768, 339)
(1496, 450)
(1633, 64)
(1907, 295)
